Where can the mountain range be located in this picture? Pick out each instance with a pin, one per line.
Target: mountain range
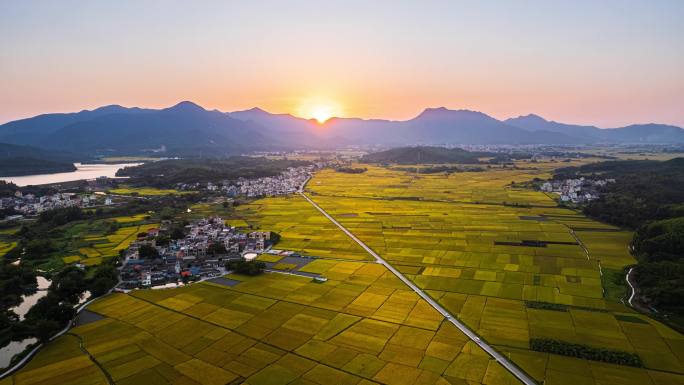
(189, 129)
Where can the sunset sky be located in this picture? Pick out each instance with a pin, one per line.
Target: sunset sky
(607, 63)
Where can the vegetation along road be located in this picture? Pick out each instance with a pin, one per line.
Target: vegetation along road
(512, 368)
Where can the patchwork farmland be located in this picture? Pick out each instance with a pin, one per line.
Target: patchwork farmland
(361, 326)
(506, 261)
(91, 243)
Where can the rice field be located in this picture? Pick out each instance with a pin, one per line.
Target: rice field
(146, 191)
(360, 327)
(486, 250)
(301, 227)
(506, 261)
(6, 247)
(90, 245)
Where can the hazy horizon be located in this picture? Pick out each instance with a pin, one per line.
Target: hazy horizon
(418, 112)
(608, 64)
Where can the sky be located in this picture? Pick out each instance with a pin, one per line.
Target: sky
(602, 62)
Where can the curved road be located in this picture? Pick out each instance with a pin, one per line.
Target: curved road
(501, 359)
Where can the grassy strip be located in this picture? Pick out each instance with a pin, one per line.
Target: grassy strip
(546, 306)
(559, 307)
(563, 348)
(614, 284)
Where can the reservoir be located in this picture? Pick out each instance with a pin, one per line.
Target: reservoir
(83, 171)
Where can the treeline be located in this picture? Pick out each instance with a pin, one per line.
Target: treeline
(659, 248)
(29, 166)
(647, 196)
(7, 189)
(351, 170)
(168, 173)
(563, 348)
(440, 169)
(425, 155)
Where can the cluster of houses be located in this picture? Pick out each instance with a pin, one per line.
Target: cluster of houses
(208, 245)
(29, 204)
(285, 183)
(579, 190)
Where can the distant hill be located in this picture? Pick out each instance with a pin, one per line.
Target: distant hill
(633, 134)
(424, 154)
(536, 123)
(187, 129)
(31, 166)
(26, 131)
(472, 127)
(18, 160)
(178, 128)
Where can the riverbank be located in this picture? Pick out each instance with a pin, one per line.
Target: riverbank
(82, 171)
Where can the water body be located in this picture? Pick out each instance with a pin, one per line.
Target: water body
(16, 347)
(83, 171)
(29, 300)
(12, 349)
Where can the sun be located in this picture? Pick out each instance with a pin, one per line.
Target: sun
(321, 113)
(320, 109)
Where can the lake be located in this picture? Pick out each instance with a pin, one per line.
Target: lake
(83, 171)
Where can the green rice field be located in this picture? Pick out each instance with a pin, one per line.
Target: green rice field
(507, 261)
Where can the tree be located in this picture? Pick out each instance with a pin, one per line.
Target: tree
(246, 267)
(147, 251)
(177, 232)
(167, 213)
(58, 217)
(104, 278)
(44, 329)
(50, 307)
(69, 284)
(162, 240)
(216, 248)
(39, 248)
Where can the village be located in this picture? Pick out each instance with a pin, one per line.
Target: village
(30, 204)
(285, 183)
(203, 253)
(579, 190)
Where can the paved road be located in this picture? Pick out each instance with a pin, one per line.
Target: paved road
(512, 368)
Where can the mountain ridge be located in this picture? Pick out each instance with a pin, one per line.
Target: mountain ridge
(187, 127)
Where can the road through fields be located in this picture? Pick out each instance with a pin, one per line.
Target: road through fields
(501, 359)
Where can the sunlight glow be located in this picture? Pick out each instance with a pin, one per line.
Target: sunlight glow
(320, 109)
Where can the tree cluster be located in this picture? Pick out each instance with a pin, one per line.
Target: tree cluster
(351, 170)
(563, 348)
(246, 267)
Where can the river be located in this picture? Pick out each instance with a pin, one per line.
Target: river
(83, 171)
